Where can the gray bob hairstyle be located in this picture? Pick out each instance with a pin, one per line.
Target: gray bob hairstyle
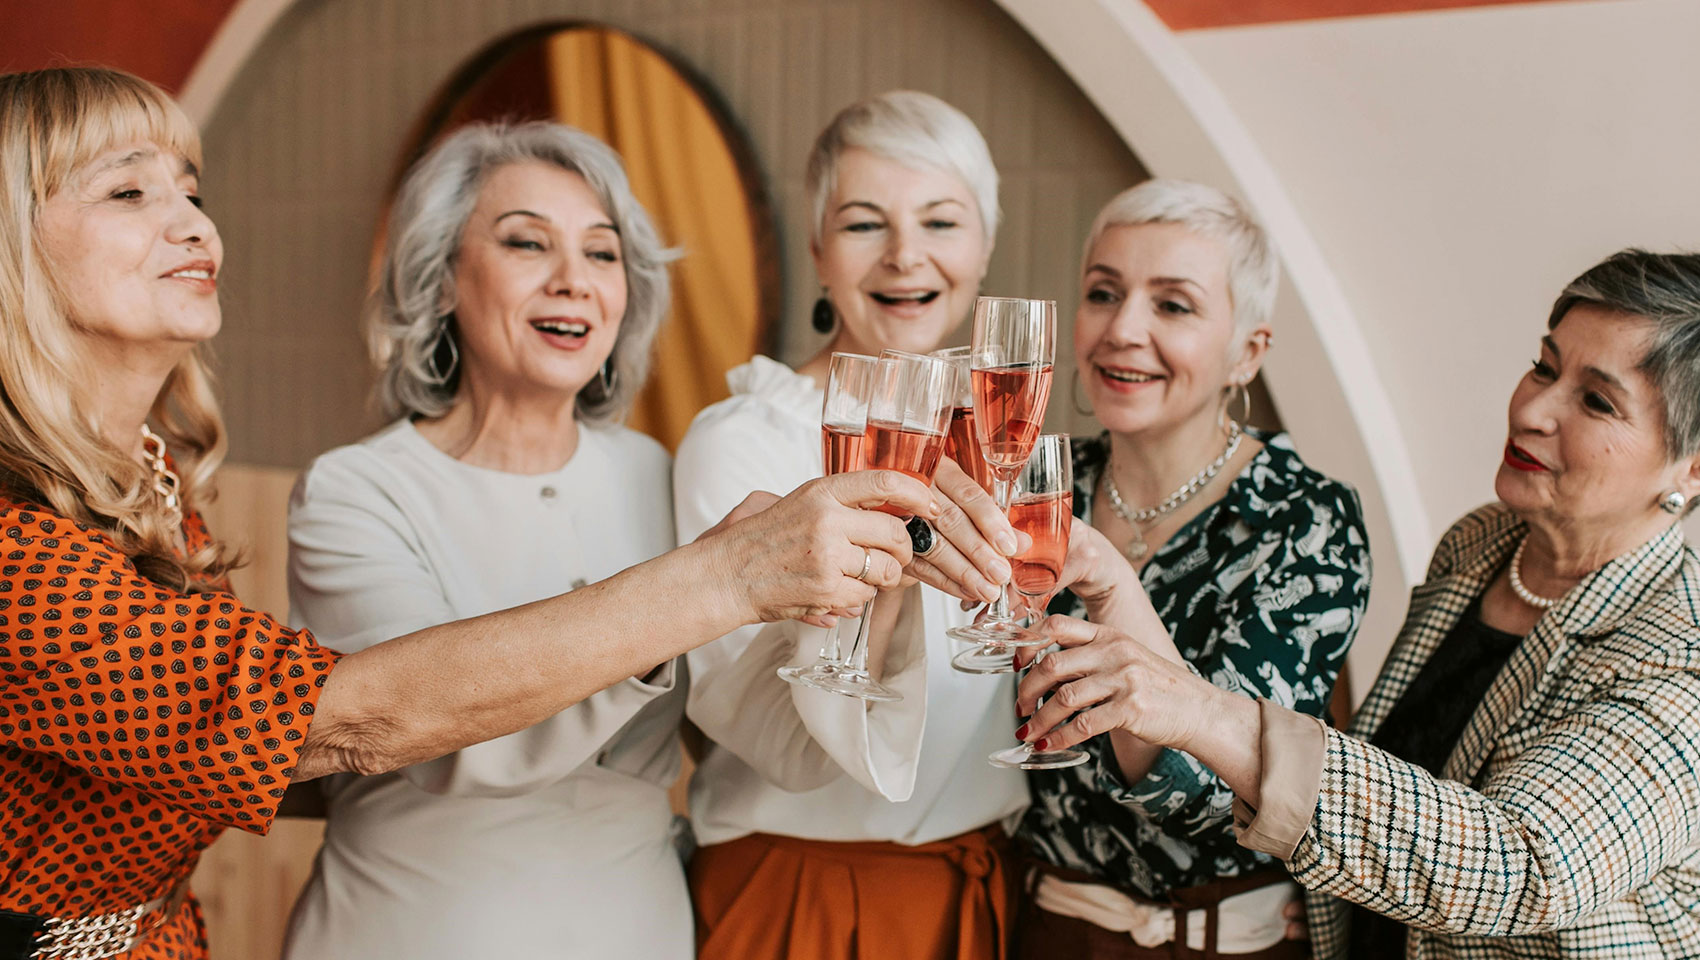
(1253, 272)
(1664, 290)
(911, 128)
(411, 312)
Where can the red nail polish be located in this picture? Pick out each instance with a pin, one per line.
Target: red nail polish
(1041, 743)
(1021, 732)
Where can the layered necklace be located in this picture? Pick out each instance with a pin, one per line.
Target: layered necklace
(1142, 520)
(165, 482)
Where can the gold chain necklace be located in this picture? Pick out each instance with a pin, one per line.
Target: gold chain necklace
(165, 482)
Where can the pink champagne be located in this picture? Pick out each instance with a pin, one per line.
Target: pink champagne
(1046, 518)
(890, 447)
(841, 450)
(963, 446)
(1010, 404)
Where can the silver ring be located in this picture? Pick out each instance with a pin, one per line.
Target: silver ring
(867, 562)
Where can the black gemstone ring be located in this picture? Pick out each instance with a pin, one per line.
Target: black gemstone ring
(922, 536)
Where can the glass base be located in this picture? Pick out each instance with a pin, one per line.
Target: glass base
(1024, 757)
(811, 675)
(1008, 633)
(857, 683)
(989, 658)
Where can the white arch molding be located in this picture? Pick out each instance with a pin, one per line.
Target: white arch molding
(1173, 118)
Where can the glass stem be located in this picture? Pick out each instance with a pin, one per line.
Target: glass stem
(857, 661)
(999, 613)
(829, 650)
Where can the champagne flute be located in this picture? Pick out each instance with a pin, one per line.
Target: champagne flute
(1014, 343)
(843, 429)
(962, 445)
(1044, 510)
(907, 418)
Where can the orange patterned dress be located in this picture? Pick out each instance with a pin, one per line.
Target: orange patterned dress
(136, 723)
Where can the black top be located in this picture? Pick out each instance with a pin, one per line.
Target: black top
(1424, 727)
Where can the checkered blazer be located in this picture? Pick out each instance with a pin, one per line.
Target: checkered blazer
(1568, 822)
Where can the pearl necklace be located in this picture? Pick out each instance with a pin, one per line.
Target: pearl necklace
(165, 482)
(1523, 593)
(1140, 519)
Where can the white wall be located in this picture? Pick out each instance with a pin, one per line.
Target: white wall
(1456, 169)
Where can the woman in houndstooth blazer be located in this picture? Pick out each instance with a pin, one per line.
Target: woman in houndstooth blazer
(1524, 778)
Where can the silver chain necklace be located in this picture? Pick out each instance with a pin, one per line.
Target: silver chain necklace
(1139, 520)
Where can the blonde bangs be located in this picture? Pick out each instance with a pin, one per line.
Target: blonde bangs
(90, 111)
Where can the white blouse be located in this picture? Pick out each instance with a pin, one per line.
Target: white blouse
(551, 842)
(790, 760)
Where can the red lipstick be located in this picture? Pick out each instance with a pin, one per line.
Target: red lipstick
(1519, 459)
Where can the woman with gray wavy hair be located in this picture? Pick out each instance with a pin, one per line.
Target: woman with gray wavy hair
(522, 287)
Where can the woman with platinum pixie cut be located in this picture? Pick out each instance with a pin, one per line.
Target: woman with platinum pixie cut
(885, 817)
(1257, 564)
(522, 288)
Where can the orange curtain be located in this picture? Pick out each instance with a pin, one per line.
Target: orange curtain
(682, 171)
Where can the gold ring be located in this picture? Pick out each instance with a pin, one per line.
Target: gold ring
(867, 562)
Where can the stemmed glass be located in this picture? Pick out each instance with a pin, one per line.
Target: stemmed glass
(961, 444)
(907, 418)
(1044, 510)
(843, 428)
(1014, 343)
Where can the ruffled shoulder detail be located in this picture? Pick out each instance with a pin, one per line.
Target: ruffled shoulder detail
(772, 381)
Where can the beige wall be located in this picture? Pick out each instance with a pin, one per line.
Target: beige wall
(303, 146)
(1457, 168)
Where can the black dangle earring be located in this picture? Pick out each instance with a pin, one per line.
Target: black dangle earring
(823, 318)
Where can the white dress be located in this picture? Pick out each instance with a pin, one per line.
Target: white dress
(789, 760)
(551, 842)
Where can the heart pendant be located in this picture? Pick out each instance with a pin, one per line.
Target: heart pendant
(1136, 549)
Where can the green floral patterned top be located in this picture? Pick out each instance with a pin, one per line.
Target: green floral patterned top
(1263, 593)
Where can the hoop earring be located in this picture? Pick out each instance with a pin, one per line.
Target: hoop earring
(1084, 409)
(823, 317)
(440, 371)
(1673, 502)
(608, 377)
(1245, 401)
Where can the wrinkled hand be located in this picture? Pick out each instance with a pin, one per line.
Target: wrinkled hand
(1094, 569)
(797, 558)
(1108, 680)
(975, 540)
(753, 504)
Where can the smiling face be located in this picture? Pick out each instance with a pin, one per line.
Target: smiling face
(136, 258)
(1586, 449)
(1154, 337)
(540, 284)
(901, 254)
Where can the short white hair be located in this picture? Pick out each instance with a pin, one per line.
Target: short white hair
(406, 324)
(1253, 271)
(914, 129)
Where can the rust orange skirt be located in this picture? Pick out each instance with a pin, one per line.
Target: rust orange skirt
(766, 897)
